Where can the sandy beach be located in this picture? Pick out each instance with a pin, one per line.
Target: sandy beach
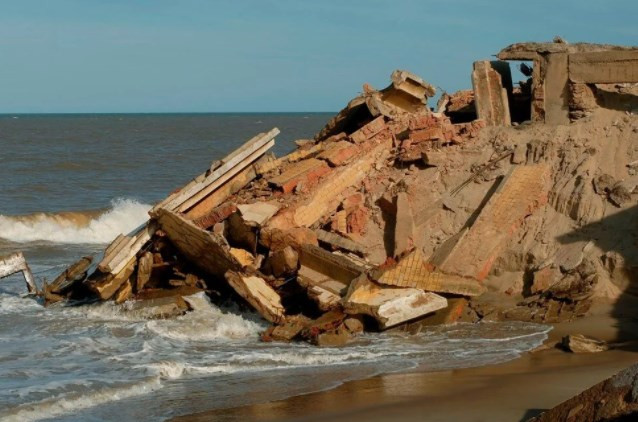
(512, 391)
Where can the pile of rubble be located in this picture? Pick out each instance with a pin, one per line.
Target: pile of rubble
(395, 212)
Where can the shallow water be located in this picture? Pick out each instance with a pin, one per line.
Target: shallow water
(99, 362)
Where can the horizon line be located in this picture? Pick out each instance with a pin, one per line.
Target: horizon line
(160, 112)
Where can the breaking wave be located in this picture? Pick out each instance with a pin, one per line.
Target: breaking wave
(58, 406)
(97, 226)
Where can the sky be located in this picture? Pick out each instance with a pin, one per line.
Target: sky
(90, 56)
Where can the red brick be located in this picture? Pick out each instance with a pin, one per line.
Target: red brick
(340, 153)
(369, 130)
(217, 215)
(307, 172)
(430, 134)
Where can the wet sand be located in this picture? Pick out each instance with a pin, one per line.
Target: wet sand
(512, 391)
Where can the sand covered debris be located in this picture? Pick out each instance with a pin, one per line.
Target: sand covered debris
(395, 213)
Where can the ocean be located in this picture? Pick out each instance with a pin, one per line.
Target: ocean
(68, 185)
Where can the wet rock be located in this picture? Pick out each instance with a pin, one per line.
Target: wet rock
(578, 343)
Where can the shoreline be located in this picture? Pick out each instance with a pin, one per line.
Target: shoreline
(511, 391)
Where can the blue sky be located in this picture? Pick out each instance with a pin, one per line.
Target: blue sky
(264, 55)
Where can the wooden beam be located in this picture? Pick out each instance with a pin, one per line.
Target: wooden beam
(229, 174)
(15, 263)
(204, 181)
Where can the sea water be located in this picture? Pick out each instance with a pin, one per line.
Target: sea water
(69, 185)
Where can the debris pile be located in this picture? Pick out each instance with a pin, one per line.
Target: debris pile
(396, 213)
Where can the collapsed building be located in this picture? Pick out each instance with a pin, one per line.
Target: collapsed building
(399, 215)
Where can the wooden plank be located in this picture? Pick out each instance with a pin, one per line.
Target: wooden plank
(230, 187)
(128, 250)
(294, 156)
(114, 244)
(73, 274)
(195, 198)
(202, 182)
(604, 67)
(105, 285)
(207, 250)
(113, 249)
(14, 263)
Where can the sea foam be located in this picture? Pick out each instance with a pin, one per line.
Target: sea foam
(123, 216)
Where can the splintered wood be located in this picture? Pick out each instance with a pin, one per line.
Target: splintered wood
(211, 180)
(412, 271)
(522, 191)
(14, 263)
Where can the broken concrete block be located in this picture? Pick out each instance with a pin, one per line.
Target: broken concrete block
(620, 66)
(571, 255)
(306, 171)
(490, 97)
(438, 158)
(390, 306)
(404, 225)
(578, 343)
(283, 261)
(334, 338)
(289, 329)
(257, 213)
(245, 258)
(340, 242)
(354, 324)
(156, 306)
(413, 271)
(339, 222)
(276, 239)
(544, 278)
(519, 194)
(207, 250)
(325, 276)
(256, 291)
(412, 84)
